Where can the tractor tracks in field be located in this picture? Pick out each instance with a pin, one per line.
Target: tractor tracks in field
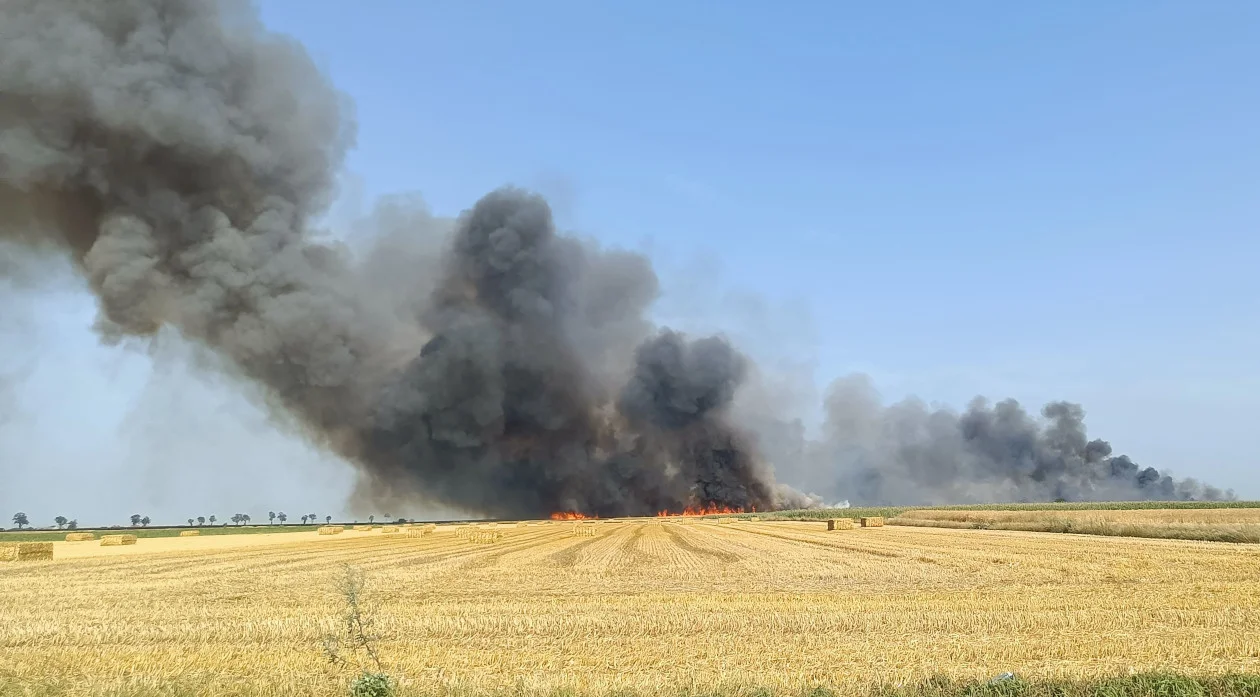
(686, 545)
(631, 549)
(498, 550)
(824, 544)
(568, 557)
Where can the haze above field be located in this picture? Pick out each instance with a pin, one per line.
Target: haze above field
(954, 205)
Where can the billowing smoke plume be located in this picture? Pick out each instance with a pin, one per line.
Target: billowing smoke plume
(529, 396)
(908, 453)
(178, 153)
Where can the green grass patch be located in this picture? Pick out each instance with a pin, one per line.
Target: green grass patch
(1141, 685)
(824, 513)
(60, 535)
(1148, 685)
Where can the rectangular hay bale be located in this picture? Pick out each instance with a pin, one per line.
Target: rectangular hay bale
(26, 551)
(80, 536)
(190, 533)
(363, 528)
(330, 529)
(117, 540)
(417, 532)
(34, 551)
(389, 529)
(484, 536)
(873, 522)
(840, 524)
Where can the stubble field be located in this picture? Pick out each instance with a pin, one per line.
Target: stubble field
(643, 607)
(1209, 525)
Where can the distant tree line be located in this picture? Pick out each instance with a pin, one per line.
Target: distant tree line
(22, 521)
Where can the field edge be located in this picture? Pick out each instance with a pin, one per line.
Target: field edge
(1163, 684)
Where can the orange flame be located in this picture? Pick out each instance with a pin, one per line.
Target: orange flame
(571, 515)
(710, 509)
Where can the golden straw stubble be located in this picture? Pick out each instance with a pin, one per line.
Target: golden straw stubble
(633, 598)
(1238, 525)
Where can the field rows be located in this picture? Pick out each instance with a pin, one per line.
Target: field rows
(1212, 525)
(643, 606)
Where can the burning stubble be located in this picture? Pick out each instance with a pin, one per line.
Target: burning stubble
(177, 152)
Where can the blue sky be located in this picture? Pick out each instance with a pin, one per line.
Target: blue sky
(1035, 200)
(1038, 200)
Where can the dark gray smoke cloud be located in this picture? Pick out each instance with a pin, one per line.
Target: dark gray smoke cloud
(178, 153)
(908, 453)
(527, 398)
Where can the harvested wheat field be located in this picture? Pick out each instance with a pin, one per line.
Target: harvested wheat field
(1211, 524)
(644, 607)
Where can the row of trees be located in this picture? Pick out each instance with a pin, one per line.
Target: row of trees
(21, 520)
(243, 518)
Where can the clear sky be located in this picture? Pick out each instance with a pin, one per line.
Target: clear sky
(1034, 200)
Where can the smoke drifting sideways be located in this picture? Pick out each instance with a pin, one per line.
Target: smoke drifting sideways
(910, 454)
(178, 152)
(15, 358)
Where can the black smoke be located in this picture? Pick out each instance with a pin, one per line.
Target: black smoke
(178, 153)
(910, 453)
(526, 399)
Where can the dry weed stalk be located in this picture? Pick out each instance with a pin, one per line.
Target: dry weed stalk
(354, 646)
